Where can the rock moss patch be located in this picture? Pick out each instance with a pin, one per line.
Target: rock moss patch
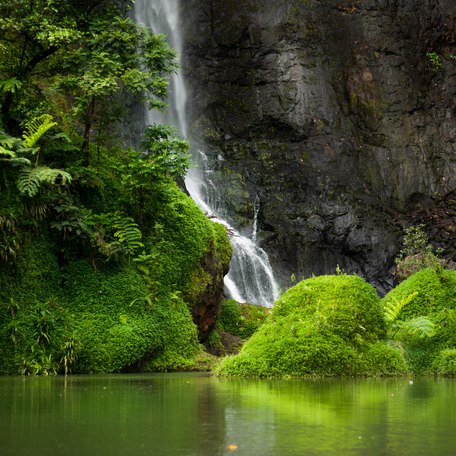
(328, 325)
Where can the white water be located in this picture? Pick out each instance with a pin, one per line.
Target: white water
(250, 278)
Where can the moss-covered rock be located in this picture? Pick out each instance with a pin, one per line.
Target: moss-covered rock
(429, 293)
(328, 325)
(435, 290)
(241, 320)
(117, 316)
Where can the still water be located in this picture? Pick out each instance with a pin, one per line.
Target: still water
(194, 414)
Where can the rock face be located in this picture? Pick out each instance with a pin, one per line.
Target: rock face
(338, 116)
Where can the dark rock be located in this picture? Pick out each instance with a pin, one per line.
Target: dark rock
(333, 115)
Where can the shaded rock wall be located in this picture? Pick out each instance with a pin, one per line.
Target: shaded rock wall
(332, 113)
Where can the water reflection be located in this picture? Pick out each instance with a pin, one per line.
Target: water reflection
(199, 415)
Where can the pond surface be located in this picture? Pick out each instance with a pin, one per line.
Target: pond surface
(194, 414)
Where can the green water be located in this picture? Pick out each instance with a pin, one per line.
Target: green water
(193, 414)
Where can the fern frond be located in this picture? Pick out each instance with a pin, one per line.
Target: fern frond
(5, 153)
(127, 233)
(421, 327)
(7, 141)
(393, 308)
(11, 85)
(36, 128)
(21, 161)
(30, 179)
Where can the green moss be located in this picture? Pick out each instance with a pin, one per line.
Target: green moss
(328, 325)
(432, 294)
(384, 358)
(120, 316)
(240, 320)
(436, 290)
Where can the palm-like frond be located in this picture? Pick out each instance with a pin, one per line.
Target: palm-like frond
(36, 128)
(31, 179)
(127, 234)
(421, 327)
(393, 308)
(11, 85)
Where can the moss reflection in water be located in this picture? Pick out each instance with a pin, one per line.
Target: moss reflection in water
(191, 414)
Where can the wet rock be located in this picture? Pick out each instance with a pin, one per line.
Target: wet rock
(334, 116)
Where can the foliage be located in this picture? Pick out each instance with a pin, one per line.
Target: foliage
(323, 326)
(445, 362)
(36, 128)
(425, 320)
(416, 253)
(75, 204)
(241, 320)
(70, 350)
(73, 59)
(427, 290)
(434, 60)
(421, 327)
(115, 317)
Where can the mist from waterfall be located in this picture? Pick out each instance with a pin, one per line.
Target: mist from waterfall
(250, 278)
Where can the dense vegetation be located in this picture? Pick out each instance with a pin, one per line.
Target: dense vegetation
(425, 320)
(100, 251)
(336, 325)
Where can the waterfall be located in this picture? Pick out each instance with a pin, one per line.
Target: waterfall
(250, 278)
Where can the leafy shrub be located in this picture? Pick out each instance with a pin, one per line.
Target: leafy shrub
(417, 253)
(445, 362)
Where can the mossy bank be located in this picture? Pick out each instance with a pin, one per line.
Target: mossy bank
(336, 325)
(112, 316)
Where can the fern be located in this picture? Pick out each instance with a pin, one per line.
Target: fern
(127, 234)
(11, 85)
(421, 327)
(36, 128)
(31, 179)
(393, 308)
(5, 153)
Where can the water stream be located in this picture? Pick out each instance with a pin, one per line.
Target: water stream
(251, 278)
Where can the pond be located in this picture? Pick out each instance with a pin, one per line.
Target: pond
(195, 414)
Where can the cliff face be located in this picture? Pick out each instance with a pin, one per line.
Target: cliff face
(339, 116)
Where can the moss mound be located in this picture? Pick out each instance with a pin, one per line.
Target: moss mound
(435, 288)
(429, 293)
(328, 325)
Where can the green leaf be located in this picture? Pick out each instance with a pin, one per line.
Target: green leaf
(31, 179)
(393, 308)
(11, 85)
(421, 327)
(36, 128)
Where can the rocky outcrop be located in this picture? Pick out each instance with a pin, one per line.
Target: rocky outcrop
(338, 115)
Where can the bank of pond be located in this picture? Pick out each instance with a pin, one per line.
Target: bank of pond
(333, 325)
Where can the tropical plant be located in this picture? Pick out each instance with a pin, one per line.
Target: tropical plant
(70, 349)
(421, 327)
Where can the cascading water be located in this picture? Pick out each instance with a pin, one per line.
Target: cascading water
(250, 278)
